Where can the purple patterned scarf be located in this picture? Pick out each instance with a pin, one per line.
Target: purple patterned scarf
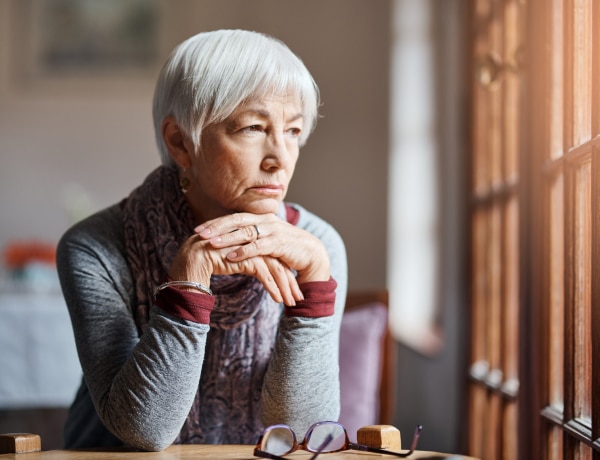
(243, 323)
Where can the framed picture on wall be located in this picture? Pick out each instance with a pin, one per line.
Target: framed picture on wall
(74, 41)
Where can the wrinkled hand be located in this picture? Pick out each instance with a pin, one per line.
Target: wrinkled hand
(279, 248)
(197, 260)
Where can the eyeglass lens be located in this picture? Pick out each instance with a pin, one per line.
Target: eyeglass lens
(278, 441)
(332, 432)
(322, 437)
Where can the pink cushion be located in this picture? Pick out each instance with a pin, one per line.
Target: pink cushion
(360, 363)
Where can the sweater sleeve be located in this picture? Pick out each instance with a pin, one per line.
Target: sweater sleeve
(142, 388)
(302, 382)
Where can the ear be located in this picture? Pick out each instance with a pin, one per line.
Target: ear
(178, 143)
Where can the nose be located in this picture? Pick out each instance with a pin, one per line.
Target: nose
(277, 152)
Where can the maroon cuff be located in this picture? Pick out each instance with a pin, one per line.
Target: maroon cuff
(188, 305)
(292, 215)
(319, 300)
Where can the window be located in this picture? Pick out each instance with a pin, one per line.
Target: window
(535, 238)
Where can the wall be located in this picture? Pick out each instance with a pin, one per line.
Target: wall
(93, 138)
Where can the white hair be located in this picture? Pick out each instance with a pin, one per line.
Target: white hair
(209, 75)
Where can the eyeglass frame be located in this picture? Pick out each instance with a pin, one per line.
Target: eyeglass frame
(348, 445)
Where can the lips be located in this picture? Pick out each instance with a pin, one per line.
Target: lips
(268, 188)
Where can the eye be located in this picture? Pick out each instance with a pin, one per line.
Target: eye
(253, 128)
(294, 132)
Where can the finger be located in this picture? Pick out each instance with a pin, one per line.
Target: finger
(226, 224)
(296, 292)
(246, 251)
(265, 276)
(238, 237)
(276, 277)
(259, 232)
(288, 287)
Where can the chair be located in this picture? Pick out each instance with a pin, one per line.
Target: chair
(367, 362)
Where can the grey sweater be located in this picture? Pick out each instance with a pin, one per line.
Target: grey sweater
(137, 390)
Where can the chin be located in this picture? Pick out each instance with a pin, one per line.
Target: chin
(263, 208)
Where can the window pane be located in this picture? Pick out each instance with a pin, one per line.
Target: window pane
(578, 22)
(478, 414)
(596, 71)
(494, 268)
(556, 295)
(556, 116)
(510, 438)
(595, 306)
(511, 88)
(479, 289)
(555, 443)
(493, 434)
(510, 309)
(583, 452)
(583, 295)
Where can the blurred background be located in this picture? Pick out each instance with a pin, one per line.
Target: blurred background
(385, 165)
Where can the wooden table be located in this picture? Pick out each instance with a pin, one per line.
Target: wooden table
(204, 451)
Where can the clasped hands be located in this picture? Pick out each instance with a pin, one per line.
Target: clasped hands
(259, 245)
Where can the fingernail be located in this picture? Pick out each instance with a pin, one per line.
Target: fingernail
(216, 239)
(202, 231)
(232, 255)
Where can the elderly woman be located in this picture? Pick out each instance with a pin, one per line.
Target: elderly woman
(204, 307)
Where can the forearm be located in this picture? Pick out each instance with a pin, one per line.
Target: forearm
(141, 387)
(302, 383)
(145, 402)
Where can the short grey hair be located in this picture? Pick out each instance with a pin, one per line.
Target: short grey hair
(210, 74)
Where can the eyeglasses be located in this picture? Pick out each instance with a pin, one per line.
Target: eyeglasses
(322, 437)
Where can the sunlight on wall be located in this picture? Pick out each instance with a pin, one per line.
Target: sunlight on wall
(412, 245)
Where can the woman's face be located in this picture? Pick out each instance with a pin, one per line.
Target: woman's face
(245, 163)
